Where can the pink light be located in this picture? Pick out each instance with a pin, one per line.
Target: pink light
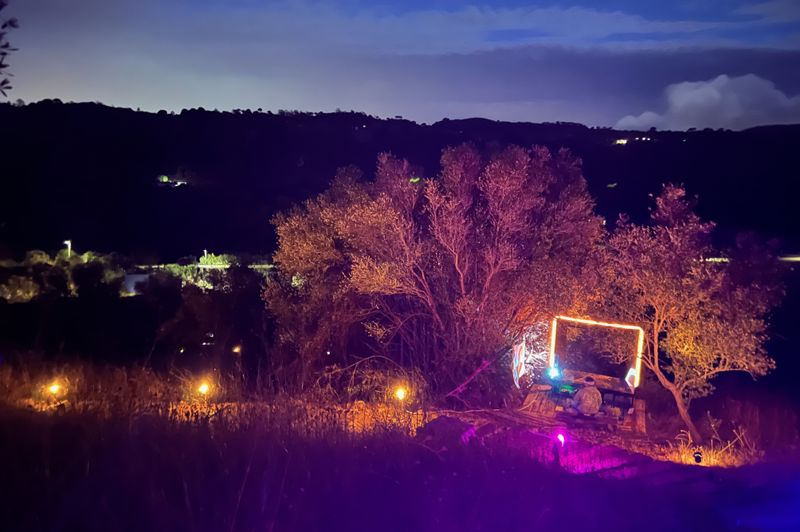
(560, 437)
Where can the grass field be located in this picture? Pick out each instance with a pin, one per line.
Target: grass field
(128, 450)
(79, 472)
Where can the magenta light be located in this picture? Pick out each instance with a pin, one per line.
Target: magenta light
(560, 437)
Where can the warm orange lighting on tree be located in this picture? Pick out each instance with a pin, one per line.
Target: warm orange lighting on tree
(635, 371)
(54, 388)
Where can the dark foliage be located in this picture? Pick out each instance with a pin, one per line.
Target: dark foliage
(167, 327)
(89, 172)
(5, 49)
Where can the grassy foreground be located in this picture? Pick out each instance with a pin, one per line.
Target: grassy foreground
(79, 472)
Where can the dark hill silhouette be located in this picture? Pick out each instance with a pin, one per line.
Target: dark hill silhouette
(89, 172)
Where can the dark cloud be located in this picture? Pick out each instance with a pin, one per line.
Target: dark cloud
(547, 83)
(513, 63)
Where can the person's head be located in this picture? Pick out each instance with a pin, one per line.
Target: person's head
(588, 380)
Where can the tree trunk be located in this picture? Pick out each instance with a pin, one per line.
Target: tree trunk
(683, 411)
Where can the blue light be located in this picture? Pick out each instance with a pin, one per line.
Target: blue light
(630, 378)
(552, 372)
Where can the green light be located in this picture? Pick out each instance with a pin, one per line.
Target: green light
(414, 180)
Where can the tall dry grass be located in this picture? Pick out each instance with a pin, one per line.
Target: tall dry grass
(735, 452)
(133, 392)
(80, 471)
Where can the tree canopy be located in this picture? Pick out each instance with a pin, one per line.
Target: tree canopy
(5, 49)
(704, 314)
(442, 272)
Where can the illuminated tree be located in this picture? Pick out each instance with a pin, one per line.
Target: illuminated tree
(5, 49)
(19, 289)
(702, 317)
(308, 297)
(441, 273)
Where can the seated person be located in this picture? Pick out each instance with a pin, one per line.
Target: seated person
(587, 400)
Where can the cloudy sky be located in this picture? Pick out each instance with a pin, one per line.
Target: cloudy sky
(630, 63)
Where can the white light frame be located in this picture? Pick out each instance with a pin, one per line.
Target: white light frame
(637, 367)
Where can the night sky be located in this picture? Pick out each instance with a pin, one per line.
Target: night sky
(672, 65)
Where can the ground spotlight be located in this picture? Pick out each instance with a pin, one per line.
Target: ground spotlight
(400, 393)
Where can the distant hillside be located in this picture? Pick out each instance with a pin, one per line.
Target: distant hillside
(163, 186)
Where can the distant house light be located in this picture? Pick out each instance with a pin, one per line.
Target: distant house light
(785, 258)
(166, 181)
(621, 142)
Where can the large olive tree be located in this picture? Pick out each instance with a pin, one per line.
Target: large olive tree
(441, 272)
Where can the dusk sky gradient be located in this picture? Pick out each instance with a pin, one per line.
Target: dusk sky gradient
(636, 64)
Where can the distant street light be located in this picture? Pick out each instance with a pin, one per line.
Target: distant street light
(68, 243)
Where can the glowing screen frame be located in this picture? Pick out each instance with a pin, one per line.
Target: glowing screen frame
(636, 370)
